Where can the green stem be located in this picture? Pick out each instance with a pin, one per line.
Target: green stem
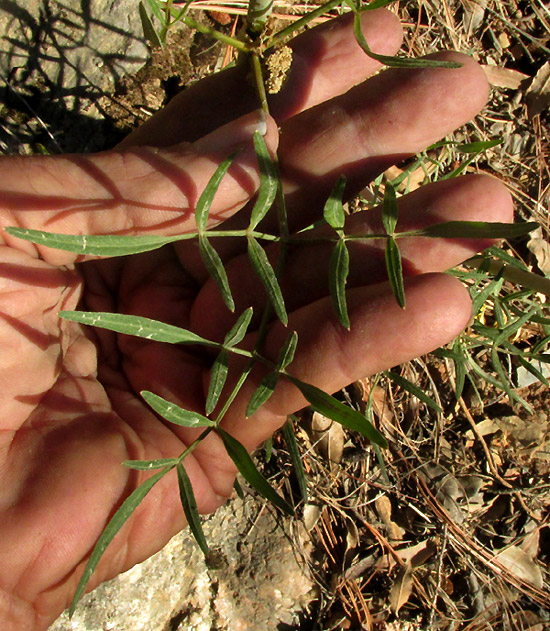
(259, 81)
(258, 14)
(513, 274)
(211, 32)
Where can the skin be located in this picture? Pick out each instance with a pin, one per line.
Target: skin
(71, 410)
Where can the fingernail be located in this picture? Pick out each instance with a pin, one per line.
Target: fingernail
(235, 134)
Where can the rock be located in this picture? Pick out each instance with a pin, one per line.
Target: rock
(252, 579)
(57, 58)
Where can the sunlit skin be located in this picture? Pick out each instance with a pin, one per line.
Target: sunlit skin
(70, 405)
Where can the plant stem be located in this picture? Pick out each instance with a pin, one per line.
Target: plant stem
(212, 32)
(258, 14)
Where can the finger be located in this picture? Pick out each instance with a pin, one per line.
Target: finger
(305, 277)
(382, 335)
(133, 191)
(360, 134)
(326, 62)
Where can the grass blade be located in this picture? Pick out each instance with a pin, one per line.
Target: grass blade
(262, 393)
(214, 265)
(189, 504)
(148, 27)
(286, 354)
(338, 275)
(95, 245)
(333, 212)
(207, 196)
(337, 411)
(397, 62)
(250, 473)
(239, 329)
(269, 182)
(390, 210)
(405, 384)
(136, 325)
(395, 271)
(218, 375)
(116, 523)
(173, 413)
(263, 268)
(148, 465)
(473, 230)
(298, 465)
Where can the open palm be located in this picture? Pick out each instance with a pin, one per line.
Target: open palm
(70, 405)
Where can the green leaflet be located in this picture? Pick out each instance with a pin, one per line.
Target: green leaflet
(263, 268)
(262, 393)
(290, 440)
(149, 30)
(395, 271)
(189, 504)
(95, 245)
(338, 275)
(269, 181)
(173, 413)
(149, 465)
(250, 473)
(136, 325)
(116, 523)
(286, 354)
(207, 196)
(397, 62)
(390, 210)
(214, 265)
(414, 390)
(239, 329)
(218, 375)
(473, 230)
(337, 411)
(333, 212)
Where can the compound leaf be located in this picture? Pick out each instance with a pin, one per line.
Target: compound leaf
(250, 473)
(214, 265)
(337, 411)
(135, 325)
(218, 376)
(338, 275)
(263, 268)
(189, 504)
(174, 413)
(395, 271)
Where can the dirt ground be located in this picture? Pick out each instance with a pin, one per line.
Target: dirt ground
(450, 528)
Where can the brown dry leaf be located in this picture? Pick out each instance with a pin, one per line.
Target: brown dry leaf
(500, 77)
(541, 249)
(474, 12)
(417, 555)
(383, 508)
(520, 564)
(329, 438)
(537, 96)
(401, 589)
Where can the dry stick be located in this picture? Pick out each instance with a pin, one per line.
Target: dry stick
(491, 462)
(466, 542)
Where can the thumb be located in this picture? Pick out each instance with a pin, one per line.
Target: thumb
(138, 190)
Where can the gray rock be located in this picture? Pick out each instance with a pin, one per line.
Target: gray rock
(58, 57)
(252, 580)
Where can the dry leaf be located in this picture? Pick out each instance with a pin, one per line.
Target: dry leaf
(541, 249)
(383, 508)
(402, 588)
(537, 96)
(520, 564)
(474, 12)
(329, 438)
(500, 77)
(417, 555)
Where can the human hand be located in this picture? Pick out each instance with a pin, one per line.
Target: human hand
(71, 410)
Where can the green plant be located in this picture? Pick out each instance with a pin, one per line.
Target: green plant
(254, 47)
